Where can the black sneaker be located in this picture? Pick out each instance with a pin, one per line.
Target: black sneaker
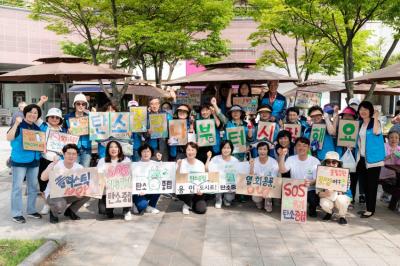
(19, 219)
(342, 220)
(53, 219)
(361, 199)
(312, 213)
(71, 214)
(35, 215)
(327, 217)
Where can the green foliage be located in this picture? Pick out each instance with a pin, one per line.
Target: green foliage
(13, 252)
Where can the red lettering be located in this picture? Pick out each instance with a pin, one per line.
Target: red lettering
(287, 189)
(295, 190)
(301, 189)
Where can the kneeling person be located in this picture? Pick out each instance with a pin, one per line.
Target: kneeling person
(60, 205)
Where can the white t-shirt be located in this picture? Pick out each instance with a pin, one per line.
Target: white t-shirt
(61, 167)
(270, 168)
(218, 164)
(306, 169)
(197, 167)
(363, 135)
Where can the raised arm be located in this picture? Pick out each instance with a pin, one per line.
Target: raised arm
(13, 129)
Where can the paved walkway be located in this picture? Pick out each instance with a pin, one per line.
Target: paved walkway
(240, 235)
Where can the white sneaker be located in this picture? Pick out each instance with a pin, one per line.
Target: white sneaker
(45, 210)
(185, 209)
(135, 210)
(218, 203)
(152, 210)
(227, 203)
(268, 205)
(128, 216)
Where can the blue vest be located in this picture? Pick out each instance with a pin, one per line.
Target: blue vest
(328, 144)
(278, 106)
(374, 145)
(84, 141)
(18, 154)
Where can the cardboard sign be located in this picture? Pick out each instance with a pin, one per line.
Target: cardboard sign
(306, 99)
(266, 131)
(80, 183)
(196, 182)
(153, 177)
(347, 133)
(248, 104)
(158, 126)
(205, 130)
(238, 137)
(138, 119)
(178, 134)
(33, 140)
(99, 125)
(119, 126)
(294, 201)
(118, 179)
(190, 97)
(57, 140)
(262, 186)
(79, 126)
(332, 178)
(318, 133)
(294, 129)
(227, 175)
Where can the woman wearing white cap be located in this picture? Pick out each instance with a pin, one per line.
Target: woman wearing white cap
(85, 145)
(329, 200)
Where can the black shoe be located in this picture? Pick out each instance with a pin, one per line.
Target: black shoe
(313, 214)
(327, 217)
(35, 215)
(366, 215)
(19, 219)
(110, 215)
(342, 220)
(71, 214)
(361, 199)
(360, 212)
(53, 219)
(102, 207)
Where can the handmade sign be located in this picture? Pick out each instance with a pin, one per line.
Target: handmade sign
(118, 179)
(248, 104)
(33, 140)
(318, 134)
(227, 175)
(347, 133)
(294, 129)
(178, 134)
(190, 97)
(238, 138)
(294, 201)
(119, 126)
(153, 177)
(79, 126)
(80, 183)
(138, 119)
(158, 126)
(332, 178)
(263, 186)
(196, 182)
(99, 125)
(205, 130)
(266, 131)
(57, 140)
(306, 99)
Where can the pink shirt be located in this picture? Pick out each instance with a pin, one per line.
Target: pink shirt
(385, 172)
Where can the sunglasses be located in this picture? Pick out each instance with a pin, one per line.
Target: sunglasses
(54, 117)
(331, 162)
(80, 104)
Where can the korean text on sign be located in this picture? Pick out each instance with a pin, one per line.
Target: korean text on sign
(263, 186)
(57, 140)
(294, 201)
(153, 177)
(347, 133)
(196, 182)
(138, 119)
(266, 131)
(118, 180)
(294, 129)
(79, 126)
(205, 130)
(178, 134)
(99, 125)
(158, 126)
(318, 133)
(332, 178)
(33, 140)
(238, 138)
(119, 125)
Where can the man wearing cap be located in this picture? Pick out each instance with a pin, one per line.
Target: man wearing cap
(317, 117)
(85, 145)
(334, 199)
(274, 99)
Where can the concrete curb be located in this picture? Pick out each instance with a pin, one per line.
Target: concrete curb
(44, 251)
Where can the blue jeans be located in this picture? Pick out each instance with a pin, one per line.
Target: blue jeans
(142, 202)
(84, 157)
(18, 175)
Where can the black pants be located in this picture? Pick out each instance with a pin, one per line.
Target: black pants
(196, 202)
(390, 186)
(108, 211)
(42, 166)
(371, 178)
(313, 201)
(353, 184)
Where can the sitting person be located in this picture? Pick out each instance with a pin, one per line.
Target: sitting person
(328, 199)
(60, 205)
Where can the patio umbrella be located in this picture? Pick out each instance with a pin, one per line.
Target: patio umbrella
(391, 72)
(313, 86)
(230, 71)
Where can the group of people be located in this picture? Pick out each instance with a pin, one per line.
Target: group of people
(283, 156)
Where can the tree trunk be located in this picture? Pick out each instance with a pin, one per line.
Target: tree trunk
(155, 65)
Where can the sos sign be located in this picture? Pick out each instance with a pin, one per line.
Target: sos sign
(294, 201)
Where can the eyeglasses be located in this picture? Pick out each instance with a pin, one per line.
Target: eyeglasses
(331, 162)
(80, 104)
